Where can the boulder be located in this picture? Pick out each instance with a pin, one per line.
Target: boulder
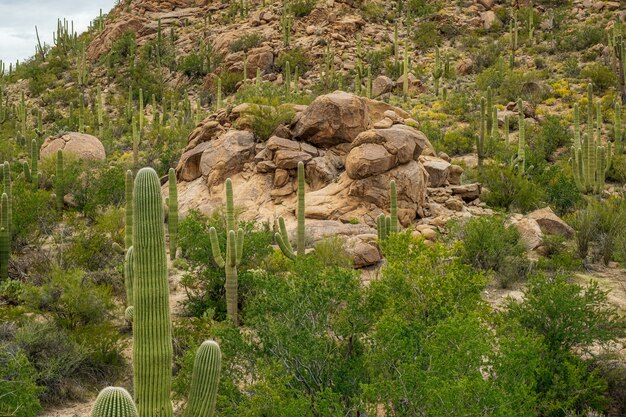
(323, 170)
(226, 155)
(259, 58)
(468, 192)
(85, 147)
(288, 159)
(438, 171)
(369, 159)
(382, 85)
(550, 223)
(363, 252)
(332, 119)
(454, 175)
(529, 230)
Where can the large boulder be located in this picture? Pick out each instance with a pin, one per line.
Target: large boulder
(226, 155)
(85, 147)
(378, 150)
(332, 119)
(438, 171)
(550, 223)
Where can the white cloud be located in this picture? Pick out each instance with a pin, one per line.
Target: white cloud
(18, 19)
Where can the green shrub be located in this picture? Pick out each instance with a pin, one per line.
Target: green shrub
(122, 50)
(561, 191)
(581, 37)
(421, 8)
(600, 75)
(297, 58)
(193, 65)
(301, 8)
(489, 243)
(246, 42)
(331, 253)
(33, 214)
(617, 171)
(425, 35)
(458, 142)
(69, 299)
(506, 188)
(264, 119)
(18, 388)
(552, 135)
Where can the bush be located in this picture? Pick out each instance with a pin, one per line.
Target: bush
(508, 189)
(18, 388)
(264, 119)
(617, 170)
(489, 244)
(301, 8)
(562, 193)
(425, 35)
(33, 214)
(296, 57)
(458, 142)
(582, 37)
(193, 65)
(600, 75)
(246, 42)
(123, 50)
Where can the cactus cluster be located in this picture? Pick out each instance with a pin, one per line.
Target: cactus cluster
(389, 224)
(150, 313)
(590, 158)
(282, 237)
(232, 257)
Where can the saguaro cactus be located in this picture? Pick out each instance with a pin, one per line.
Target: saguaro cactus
(172, 217)
(204, 380)
(5, 241)
(282, 238)
(234, 252)
(59, 180)
(128, 230)
(437, 71)
(152, 332)
(128, 275)
(389, 224)
(114, 402)
(6, 173)
(480, 139)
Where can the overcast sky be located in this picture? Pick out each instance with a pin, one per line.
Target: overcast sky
(19, 17)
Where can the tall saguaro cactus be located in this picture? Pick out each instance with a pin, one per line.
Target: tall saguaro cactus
(152, 329)
(172, 217)
(282, 238)
(128, 230)
(152, 344)
(232, 258)
(129, 276)
(204, 380)
(6, 173)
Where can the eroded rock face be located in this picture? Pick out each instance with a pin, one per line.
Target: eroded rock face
(85, 147)
(550, 223)
(332, 119)
(226, 155)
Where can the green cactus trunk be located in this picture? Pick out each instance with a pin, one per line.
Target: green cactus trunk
(204, 381)
(152, 332)
(114, 402)
(128, 230)
(59, 180)
(172, 217)
(5, 242)
(128, 275)
(394, 207)
(282, 237)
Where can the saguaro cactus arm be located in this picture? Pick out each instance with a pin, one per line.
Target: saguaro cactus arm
(172, 218)
(204, 380)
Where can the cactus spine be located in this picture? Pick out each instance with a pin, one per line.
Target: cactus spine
(282, 238)
(389, 224)
(234, 252)
(59, 181)
(172, 217)
(114, 402)
(5, 241)
(152, 333)
(204, 380)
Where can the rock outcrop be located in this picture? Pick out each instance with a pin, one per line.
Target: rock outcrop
(349, 164)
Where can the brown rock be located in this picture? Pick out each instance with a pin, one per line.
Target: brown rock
(85, 147)
(363, 253)
(288, 159)
(465, 66)
(454, 175)
(281, 177)
(226, 155)
(332, 119)
(323, 170)
(468, 192)
(530, 232)
(369, 159)
(438, 170)
(382, 85)
(550, 223)
(259, 58)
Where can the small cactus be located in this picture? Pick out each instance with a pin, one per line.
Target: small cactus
(5, 241)
(282, 238)
(389, 224)
(204, 380)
